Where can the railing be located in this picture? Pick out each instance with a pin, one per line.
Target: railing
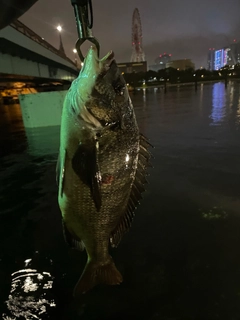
(19, 26)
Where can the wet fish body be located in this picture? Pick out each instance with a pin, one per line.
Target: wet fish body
(101, 167)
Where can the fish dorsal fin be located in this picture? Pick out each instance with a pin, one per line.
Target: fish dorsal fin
(86, 165)
(136, 192)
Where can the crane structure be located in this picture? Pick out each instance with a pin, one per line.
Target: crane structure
(137, 50)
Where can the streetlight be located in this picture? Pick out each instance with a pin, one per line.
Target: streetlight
(75, 55)
(59, 28)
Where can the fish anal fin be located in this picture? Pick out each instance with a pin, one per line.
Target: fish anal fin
(97, 273)
(85, 164)
(72, 240)
(135, 194)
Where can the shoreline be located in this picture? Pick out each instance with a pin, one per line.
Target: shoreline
(130, 88)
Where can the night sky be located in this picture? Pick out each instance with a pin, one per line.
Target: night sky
(186, 28)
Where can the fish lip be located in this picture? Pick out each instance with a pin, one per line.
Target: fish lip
(104, 63)
(108, 58)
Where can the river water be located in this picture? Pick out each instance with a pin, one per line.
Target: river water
(181, 258)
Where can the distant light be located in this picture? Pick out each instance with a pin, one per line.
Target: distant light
(75, 50)
(27, 261)
(122, 72)
(59, 28)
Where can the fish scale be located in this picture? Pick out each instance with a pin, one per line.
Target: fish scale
(101, 167)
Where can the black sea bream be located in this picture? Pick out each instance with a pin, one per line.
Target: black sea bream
(101, 166)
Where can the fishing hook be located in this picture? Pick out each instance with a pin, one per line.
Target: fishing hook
(82, 8)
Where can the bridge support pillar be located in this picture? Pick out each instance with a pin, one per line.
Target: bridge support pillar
(42, 109)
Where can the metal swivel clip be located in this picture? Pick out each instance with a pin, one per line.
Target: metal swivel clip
(82, 9)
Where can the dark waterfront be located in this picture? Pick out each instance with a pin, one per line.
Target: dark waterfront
(181, 258)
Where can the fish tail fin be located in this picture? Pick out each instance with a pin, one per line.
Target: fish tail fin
(97, 273)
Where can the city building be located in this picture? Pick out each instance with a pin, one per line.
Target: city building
(219, 58)
(129, 67)
(210, 59)
(161, 61)
(182, 64)
(235, 52)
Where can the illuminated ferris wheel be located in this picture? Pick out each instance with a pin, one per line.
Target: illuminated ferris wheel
(137, 50)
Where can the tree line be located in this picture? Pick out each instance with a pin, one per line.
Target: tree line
(173, 75)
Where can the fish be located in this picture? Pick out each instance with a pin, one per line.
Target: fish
(102, 167)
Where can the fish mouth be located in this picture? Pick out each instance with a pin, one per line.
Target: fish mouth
(107, 59)
(100, 66)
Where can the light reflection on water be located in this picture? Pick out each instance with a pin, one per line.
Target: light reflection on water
(218, 103)
(238, 113)
(185, 230)
(29, 298)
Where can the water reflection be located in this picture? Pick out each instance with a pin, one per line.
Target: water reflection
(29, 297)
(11, 129)
(218, 103)
(43, 141)
(144, 98)
(231, 96)
(182, 253)
(238, 113)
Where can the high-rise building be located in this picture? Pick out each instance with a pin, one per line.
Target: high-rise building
(211, 59)
(182, 64)
(161, 61)
(234, 52)
(229, 55)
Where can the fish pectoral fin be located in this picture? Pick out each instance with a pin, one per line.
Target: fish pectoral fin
(72, 240)
(85, 164)
(60, 171)
(135, 194)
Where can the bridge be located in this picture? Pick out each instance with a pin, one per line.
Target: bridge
(25, 56)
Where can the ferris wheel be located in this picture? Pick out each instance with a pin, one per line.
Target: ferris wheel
(137, 50)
